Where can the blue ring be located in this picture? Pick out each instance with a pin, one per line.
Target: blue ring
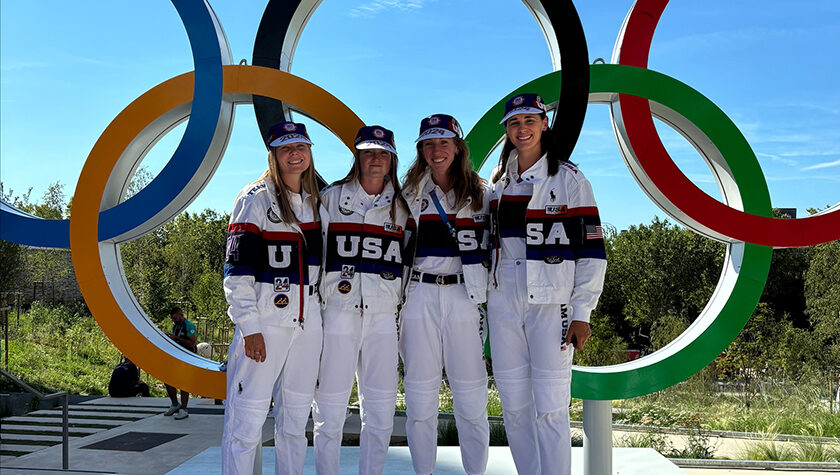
(198, 21)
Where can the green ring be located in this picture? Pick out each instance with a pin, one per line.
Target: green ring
(619, 382)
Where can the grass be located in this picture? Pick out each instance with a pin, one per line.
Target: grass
(790, 408)
(63, 349)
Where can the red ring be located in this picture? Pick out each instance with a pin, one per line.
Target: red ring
(663, 172)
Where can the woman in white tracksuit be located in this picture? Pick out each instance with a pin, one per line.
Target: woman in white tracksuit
(272, 265)
(440, 324)
(547, 274)
(362, 286)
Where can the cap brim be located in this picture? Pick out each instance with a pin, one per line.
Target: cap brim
(290, 138)
(436, 133)
(375, 144)
(521, 110)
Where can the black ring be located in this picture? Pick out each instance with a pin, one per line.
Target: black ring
(563, 31)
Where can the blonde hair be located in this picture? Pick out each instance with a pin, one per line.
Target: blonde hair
(308, 183)
(465, 181)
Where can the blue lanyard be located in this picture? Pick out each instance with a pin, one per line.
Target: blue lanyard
(443, 216)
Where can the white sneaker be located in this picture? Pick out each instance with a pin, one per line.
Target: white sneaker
(172, 410)
(182, 414)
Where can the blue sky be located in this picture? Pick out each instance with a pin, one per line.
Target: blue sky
(67, 68)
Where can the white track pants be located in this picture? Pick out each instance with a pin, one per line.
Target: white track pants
(364, 346)
(532, 373)
(440, 327)
(288, 373)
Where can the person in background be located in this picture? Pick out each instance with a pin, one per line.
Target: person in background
(183, 333)
(547, 274)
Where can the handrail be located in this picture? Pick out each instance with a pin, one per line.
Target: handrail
(65, 449)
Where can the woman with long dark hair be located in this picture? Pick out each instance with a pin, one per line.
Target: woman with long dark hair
(440, 323)
(272, 265)
(547, 274)
(361, 288)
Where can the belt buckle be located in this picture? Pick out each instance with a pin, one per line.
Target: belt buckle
(439, 280)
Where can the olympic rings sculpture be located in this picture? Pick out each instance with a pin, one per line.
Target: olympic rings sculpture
(207, 98)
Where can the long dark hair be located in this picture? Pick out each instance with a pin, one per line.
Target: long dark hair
(547, 146)
(355, 173)
(465, 181)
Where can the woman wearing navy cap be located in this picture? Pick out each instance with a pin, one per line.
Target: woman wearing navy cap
(272, 263)
(361, 287)
(440, 324)
(547, 274)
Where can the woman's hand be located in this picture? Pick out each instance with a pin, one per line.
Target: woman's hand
(578, 334)
(255, 347)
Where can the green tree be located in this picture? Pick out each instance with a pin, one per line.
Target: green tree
(11, 254)
(822, 297)
(657, 274)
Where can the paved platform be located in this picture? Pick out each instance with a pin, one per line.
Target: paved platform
(159, 444)
(398, 462)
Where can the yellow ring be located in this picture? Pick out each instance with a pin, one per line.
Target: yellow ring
(85, 247)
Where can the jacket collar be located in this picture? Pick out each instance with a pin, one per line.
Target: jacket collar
(353, 195)
(272, 193)
(537, 173)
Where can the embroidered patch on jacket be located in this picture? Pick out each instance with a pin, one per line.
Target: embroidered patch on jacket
(553, 259)
(556, 209)
(281, 284)
(388, 275)
(594, 232)
(392, 228)
(345, 211)
(479, 218)
(424, 204)
(348, 271)
(272, 216)
(344, 287)
(281, 300)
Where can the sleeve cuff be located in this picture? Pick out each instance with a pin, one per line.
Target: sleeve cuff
(249, 326)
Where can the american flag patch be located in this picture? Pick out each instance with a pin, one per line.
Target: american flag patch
(594, 232)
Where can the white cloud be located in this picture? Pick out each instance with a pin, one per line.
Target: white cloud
(374, 7)
(818, 166)
(777, 158)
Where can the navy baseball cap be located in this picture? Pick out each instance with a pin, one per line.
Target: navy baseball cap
(375, 136)
(287, 132)
(523, 104)
(439, 126)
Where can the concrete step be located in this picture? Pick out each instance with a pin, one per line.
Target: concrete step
(115, 408)
(20, 448)
(57, 413)
(6, 458)
(53, 421)
(18, 428)
(55, 439)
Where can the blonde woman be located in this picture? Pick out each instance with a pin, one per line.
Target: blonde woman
(272, 264)
(440, 324)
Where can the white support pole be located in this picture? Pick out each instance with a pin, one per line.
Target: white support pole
(597, 438)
